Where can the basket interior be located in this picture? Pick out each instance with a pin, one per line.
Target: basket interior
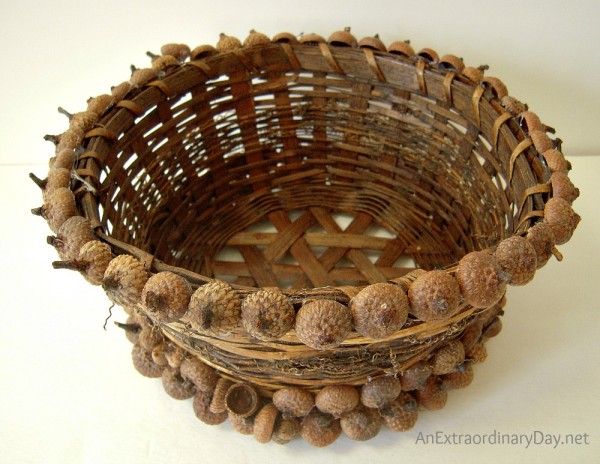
(274, 175)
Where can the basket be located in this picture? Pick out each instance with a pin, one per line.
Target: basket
(308, 236)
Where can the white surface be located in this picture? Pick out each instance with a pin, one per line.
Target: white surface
(69, 392)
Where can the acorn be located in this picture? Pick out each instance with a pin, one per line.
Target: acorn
(556, 161)
(311, 39)
(165, 296)
(517, 258)
(174, 355)
(119, 92)
(415, 376)
(214, 308)
(320, 429)
(451, 63)
(323, 324)
(203, 51)
(337, 400)
(342, 39)
(267, 315)
(204, 377)
(561, 218)
(57, 178)
(255, 39)
(401, 48)
(530, 121)
(434, 296)
(475, 75)
(460, 378)
(429, 55)
(158, 354)
(140, 77)
(202, 410)
(401, 414)
(91, 262)
(361, 423)
(72, 235)
(59, 206)
(492, 329)
(98, 105)
(176, 386)
(124, 280)
(162, 63)
(285, 37)
(499, 89)
(179, 51)
(217, 403)
(477, 353)
(512, 105)
(472, 333)
(541, 141)
(69, 140)
(562, 187)
(379, 310)
(227, 43)
(447, 357)
(149, 337)
(293, 401)
(241, 399)
(432, 396)
(380, 391)
(64, 159)
(264, 423)
(83, 121)
(374, 43)
(286, 429)
(143, 363)
(243, 425)
(481, 280)
(541, 237)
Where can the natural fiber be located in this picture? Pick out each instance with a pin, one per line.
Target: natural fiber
(308, 170)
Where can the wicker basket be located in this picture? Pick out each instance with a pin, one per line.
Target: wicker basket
(309, 235)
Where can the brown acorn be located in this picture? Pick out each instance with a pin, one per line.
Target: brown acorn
(492, 329)
(311, 39)
(512, 105)
(202, 410)
(562, 187)
(323, 324)
(460, 378)
(379, 310)
(517, 258)
(57, 178)
(286, 429)
(561, 218)
(98, 105)
(434, 296)
(337, 400)
(165, 296)
(342, 39)
(475, 75)
(255, 39)
(179, 51)
(401, 414)
(72, 235)
(541, 141)
(124, 280)
(320, 429)
(472, 333)
(242, 399)
(217, 403)
(174, 355)
(64, 159)
(92, 262)
(70, 139)
(541, 237)
(530, 121)
(119, 92)
(497, 86)
(556, 161)
(481, 281)
(203, 376)
(374, 43)
(214, 308)
(143, 363)
(477, 353)
(59, 206)
(267, 315)
(429, 55)
(380, 391)
(293, 401)
(203, 51)
(176, 386)
(227, 43)
(243, 425)
(149, 337)
(285, 37)
(401, 48)
(162, 63)
(158, 354)
(432, 396)
(140, 77)
(83, 121)
(264, 423)
(447, 357)
(451, 63)
(361, 423)
(415, 376)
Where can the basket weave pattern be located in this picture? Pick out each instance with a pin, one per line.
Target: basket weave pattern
(283, 175)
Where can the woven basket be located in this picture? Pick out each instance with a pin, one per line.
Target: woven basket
(310, 235)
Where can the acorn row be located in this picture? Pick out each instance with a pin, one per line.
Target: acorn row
(319, 417)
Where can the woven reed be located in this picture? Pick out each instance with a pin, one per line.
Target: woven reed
(318, 169)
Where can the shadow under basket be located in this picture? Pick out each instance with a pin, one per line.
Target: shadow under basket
(309, 236)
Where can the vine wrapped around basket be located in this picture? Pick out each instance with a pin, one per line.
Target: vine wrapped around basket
(309, 236)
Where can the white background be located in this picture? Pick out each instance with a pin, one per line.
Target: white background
(68, 392)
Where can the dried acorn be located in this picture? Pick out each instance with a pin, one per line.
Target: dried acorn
(286, 429)
(323, 324)
(517, 258)
(380, 391)
(320, 429)
(143, 363)
(379, 310)
(255, 38)
(401, 414)
(264, 423)
(124, 280)
(561, 218)
(415, 377)
(267, 315)
(214, 308)
(361, 423)
(446, 358)
(204, 377)
(59, 206)
(166, 296)
(202, 410)
(434, 296)
(481, 280)
(433, 395)
(293, 401)
(217, 403)
(72, 235)
(176, 386)
(227, 43)
(460, 378)
(337, 400)
(562, 187)
(241, 399)
(541, 237)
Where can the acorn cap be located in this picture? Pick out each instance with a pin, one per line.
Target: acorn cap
(451, 63)
(561, 218)
(434, 296)
(203, 376)
(255, 39)
(143, 363)
(401, 48)
(512, 105)
(119, 92)
(267, 315)
(176, 386)
(475, 75)
(460, 378)
(166, 296)
(140, 77)
(203, 51)
(447, 357)
(562, 187)
(311, 39)
(227, 43)
(323, 324)
(72, 235)
(94, 257)
(541, 141)
(498, 88)
(541, 237)
(556, 161)
(214, 308)
(342, 39)
(57, 178)
(320, 429)
(124, 280)
(380, 391)
(374, 43)
(517, 258)
(264, 423)
(337, 400)
(415, 376)
(379, 310)
(217, 403)
(180, 51)
(59, 206)
(401, 414)
(530, 121)
(241, 399)
(293, 401)
(432, 396)
(477, 353)
(472, 333)
(243, 425)
(481, 281)
(361, 424)
(99, 104)
(285, 37)
(286, 429)
(429, 55)
(202, 410)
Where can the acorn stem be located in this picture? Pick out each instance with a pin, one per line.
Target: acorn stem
(152, 55)
(37, 211)
(128, 327)
(557, 254)
(39, 182)
(61, 110)
(51, 138)
(70, 265)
